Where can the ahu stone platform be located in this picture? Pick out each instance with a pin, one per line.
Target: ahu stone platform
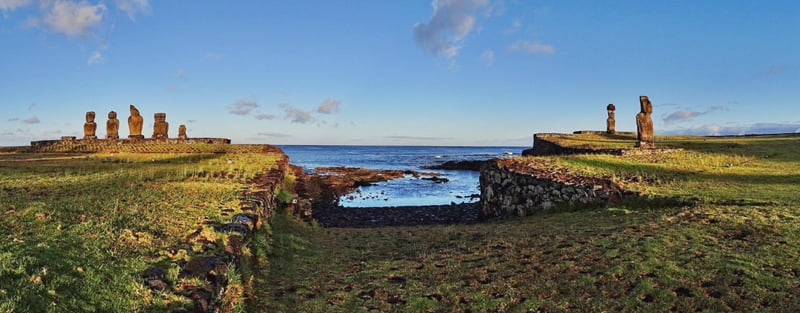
(590, 142)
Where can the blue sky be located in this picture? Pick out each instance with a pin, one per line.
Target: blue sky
(441, 72)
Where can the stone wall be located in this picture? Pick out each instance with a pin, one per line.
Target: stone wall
(508, 188)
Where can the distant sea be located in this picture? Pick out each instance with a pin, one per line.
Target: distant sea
(402, 191)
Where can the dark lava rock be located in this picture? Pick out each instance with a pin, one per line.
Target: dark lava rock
(157, 284)
(457, 165)
(203, 266)
(153, 273)
(234, 228)
(246, 219)
(465, 213)
(437, 179)
(202, 298)
(234, 246)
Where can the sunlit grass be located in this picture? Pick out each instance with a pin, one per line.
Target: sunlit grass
(76, 230)
(728, 244)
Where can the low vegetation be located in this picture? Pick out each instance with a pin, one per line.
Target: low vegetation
(716, 230)
(77, 230)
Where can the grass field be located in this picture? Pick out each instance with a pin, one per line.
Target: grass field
(717, 231)
(76, 230)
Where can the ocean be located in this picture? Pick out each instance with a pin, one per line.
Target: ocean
(407, 191)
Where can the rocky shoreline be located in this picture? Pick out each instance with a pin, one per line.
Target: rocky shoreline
(465, 213)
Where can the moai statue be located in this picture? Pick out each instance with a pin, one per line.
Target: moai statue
(160, 127)
(112, 126)
(90, 126)
(135, 122)
(611, 123)
(182, 132)
(644, 124)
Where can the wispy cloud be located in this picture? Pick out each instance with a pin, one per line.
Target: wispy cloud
(242, 106)
(13, 119)
(31, 120)
(31, 106)
(274, 135)
(329, 106)
(515, 27)
(69, 17)
(532, 47)
(685, 115)
(488, 58)
(298, 116)
(212, 56)
(11, 5)
(181, 74)
(451, 22)
(95, 58)
(264, 116)
(133, 7)
(741, 129)
(399, 137)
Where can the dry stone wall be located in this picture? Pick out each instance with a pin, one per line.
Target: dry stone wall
(509, 189)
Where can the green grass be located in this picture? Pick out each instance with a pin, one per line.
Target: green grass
(717, 231)
(76, 230)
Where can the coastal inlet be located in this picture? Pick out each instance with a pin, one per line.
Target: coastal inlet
(416, 186)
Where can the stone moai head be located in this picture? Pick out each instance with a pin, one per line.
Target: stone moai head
(134, 111)
(90, 117)
(160, 117)
(611, 107)
(112, 115)
(647, 107)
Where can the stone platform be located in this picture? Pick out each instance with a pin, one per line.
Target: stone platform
(621, 143)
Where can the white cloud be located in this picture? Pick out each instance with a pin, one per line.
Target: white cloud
(681, 116)
(685, 115)
(242, 106)
(532, 47)
(298, 116)
(741, 129)
(329, 106)
(212, 56)
(31, 120)
(11, 5)
(515, 27)
(400, 137)
(488, 58)
(264, 116)
(451, 22)
(95, 58)
(71, 18)
(181, 74)
(274, 135)
(131, 7)
(13, 119)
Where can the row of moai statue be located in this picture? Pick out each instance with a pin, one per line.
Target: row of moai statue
(644, 124)
(135, 122)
